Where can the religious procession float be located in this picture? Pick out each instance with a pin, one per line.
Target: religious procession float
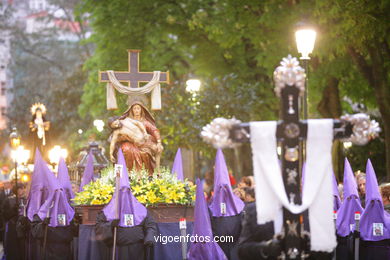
(167, 195)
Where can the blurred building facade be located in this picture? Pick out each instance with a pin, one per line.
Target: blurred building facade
(29, 16)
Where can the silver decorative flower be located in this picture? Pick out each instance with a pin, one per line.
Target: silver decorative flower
(217, 132)
(363, 129)
(289, 73)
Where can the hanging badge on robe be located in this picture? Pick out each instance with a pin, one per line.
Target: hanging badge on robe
(118, 170)
(129, 220)
(223, 208)
(377, 229)
(334, 214)
(61, 219)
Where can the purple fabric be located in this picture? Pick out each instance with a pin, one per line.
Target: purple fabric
(178, 165)
(64, 180)
(351, 203)
(336, 195)
(202, 229)
(38, 191)
(127, 203)
(88, 172)
(374, 211)
(223, 191)
(56, 202)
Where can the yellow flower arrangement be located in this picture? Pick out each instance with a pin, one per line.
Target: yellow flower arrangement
(95, 193)
(162, 187)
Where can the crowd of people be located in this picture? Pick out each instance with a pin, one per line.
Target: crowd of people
(244, 189)
(360, 177)
(258, 241)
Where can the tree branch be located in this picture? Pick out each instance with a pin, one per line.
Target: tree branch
(365, 69)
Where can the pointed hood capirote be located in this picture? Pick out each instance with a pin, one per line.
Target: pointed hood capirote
(38, 189)
(128, 206)
(205, 247)
(336, 195)
(177, 167)
(350, 205)
(374, 224)
(88, 172)
(55, 204)
(64, 180)
(58, 206)
(224, 202)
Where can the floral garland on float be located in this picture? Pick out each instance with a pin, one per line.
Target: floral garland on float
(166, 197)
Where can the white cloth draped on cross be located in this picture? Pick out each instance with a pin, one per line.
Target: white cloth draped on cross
(317, 191)
(152, 87)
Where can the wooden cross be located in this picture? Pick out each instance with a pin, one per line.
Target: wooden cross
(291, 132)
(133, 76)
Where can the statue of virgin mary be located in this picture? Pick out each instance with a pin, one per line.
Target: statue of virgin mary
(39, 128)
(135, 132)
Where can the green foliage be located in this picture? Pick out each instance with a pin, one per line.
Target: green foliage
(233, 48)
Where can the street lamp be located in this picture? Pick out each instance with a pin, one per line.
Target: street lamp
(20, 155)
(14, 138)
(15, 143)
(56, 153)
(193, 85)
(305, 37)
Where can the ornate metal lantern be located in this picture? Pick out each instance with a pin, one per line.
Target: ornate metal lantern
(100, 161)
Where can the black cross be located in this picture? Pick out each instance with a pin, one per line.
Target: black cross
(133, 76)
(291, 132)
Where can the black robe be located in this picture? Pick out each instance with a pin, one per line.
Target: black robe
(252, 234)
(130, 241)
(58, 242)
(375, 250)
(23, 231)
(14, 247)
(3, 196)
(227, 226)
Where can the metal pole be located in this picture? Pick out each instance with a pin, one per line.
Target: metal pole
(45, 234)
(304, 116)
(306, 94)
(16, 182)
(357, 235)
(118, 171)
(114, 244)
(183, 233)
(335, 220)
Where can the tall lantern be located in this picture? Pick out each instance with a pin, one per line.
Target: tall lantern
(305, 37)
